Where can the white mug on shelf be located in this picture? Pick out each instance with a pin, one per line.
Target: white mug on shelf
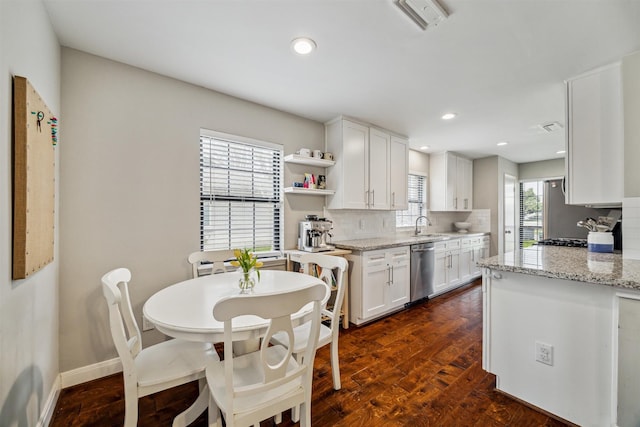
(305, 152)
(328, 156)
(317, 154)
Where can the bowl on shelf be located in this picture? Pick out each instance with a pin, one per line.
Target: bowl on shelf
(462, 227)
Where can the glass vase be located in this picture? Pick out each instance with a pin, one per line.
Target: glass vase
(247, 281)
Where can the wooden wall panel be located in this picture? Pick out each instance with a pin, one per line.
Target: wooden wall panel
(35, 134)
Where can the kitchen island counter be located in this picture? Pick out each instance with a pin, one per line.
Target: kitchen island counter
(559, 331)
(568, 263)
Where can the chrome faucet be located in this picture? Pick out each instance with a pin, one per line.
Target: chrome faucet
(417, 230)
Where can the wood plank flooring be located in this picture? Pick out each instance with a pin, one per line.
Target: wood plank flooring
(419, 367)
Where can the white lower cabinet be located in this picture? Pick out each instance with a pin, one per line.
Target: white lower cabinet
(480, 251)
(472, 250)
(466, 259)
(378, 283)
(447, 266)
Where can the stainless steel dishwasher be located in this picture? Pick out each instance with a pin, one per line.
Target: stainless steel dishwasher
(422, 270)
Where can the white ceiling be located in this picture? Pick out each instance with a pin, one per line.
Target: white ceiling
(499, 64)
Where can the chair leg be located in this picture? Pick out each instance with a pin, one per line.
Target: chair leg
(335, 366)
(130, 409)
(305, 416)
(295, 411)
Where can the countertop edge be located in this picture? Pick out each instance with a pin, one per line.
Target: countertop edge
(372, 244)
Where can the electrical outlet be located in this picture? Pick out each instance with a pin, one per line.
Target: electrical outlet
(544, 353)
(146, 325)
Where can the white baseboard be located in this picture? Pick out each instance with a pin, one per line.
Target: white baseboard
(50, 405)
(90, 372)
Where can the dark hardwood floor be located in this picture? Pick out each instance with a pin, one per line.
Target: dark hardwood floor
(419, 367)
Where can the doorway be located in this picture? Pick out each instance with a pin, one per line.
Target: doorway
(509, 208)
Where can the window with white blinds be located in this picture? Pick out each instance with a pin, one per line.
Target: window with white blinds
(240, 193)
(417, 194)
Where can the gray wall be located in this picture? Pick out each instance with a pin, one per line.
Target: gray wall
(418, 162)
(29, 307)
(130, 185)
(631, 84)
(488, 193)
(553, 168)
(485, 193)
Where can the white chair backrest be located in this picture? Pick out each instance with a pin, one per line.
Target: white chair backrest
(216, 258)
(124, 329)
(278, 308)
(323, 267)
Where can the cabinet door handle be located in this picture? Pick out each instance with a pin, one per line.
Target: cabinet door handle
(392, 274)
(366, 198)
(388, 275)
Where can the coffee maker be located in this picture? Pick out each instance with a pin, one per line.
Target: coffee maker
(314, 233)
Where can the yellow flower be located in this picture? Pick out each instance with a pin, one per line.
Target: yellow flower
(246, 260)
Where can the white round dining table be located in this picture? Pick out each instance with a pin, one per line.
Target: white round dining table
(185, 310)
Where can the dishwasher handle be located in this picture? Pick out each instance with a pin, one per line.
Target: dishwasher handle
(428, 249)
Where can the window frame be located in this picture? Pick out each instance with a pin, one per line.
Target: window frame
(278, 224)
(538, 230)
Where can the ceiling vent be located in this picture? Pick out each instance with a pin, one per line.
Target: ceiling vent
(551, 127)
(423, 12)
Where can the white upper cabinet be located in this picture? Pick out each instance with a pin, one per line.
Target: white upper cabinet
(399, 169)
(378, 191)
(595, 140)
(371, 167)
(450, 182)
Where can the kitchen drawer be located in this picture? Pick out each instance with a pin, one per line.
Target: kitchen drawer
(448, 245)
(375, 258)
(399, 254)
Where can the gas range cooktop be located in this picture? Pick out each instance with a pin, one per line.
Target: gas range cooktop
(562, 241)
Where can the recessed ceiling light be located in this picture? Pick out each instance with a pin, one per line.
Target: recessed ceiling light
(500, 144)
(560, 152)
(303, 45)
(424, 147)
(448, 116)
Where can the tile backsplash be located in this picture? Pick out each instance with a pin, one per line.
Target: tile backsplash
(358, 224)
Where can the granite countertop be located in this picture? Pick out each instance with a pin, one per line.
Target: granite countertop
(396, 241)
(571, 264)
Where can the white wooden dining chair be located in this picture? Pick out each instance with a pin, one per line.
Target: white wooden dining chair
(158, 367)
(249, 388)
(312, 264)
(215, 258)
